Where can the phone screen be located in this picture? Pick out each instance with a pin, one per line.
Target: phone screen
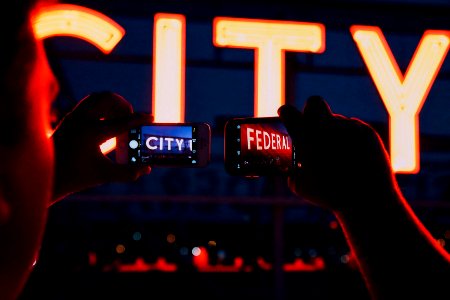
(258, 146)
(164, 144)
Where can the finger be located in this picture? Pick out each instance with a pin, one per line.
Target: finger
(316, 109)
(292, 120)
(102, 105)
(112, 128)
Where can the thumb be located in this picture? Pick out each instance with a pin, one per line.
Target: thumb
(292, 120)
(316, 108)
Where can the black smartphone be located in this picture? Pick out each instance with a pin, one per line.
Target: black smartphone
(257, 146)
(166, 145)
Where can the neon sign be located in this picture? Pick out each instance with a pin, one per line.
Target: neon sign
(402, 95)
(80, 22)
(169, 67)
(270, 39)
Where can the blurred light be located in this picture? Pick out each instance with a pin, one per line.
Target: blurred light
(120, 248)
(139, 265)
(262, 264)
(92, 256)
(345, 259)
(212, 243)
(170, 238)
(108, 146)
(161, 264)
(50, 132)
(169, 68)
(201, 258)
(184, 251)
(298, 265)
(78, 21)
(270, 39)
(334, 224)
(312, 252)
(402, 95)
(447, 234)
(221, 254)
(238, 262)
(441, 242)
(137, 236)
(196, 251)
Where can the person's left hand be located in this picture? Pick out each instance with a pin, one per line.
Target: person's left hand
(79, 161)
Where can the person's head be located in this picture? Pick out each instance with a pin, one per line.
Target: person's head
(27, 88)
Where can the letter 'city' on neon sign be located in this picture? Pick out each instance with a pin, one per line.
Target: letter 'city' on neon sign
(270, 39)
(403, 96)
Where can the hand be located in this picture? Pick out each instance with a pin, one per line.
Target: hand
(79, 162)
(344, 163)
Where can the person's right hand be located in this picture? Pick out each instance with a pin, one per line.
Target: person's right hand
(79, 161)
(344, 163)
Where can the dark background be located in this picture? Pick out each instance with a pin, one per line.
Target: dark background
(232, 216)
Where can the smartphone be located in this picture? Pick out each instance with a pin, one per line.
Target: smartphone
(166, 145)
(257, 147)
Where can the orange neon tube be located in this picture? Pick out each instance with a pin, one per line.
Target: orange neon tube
(169, 68)
(403, 96)
(80, 22)
(270, 39)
